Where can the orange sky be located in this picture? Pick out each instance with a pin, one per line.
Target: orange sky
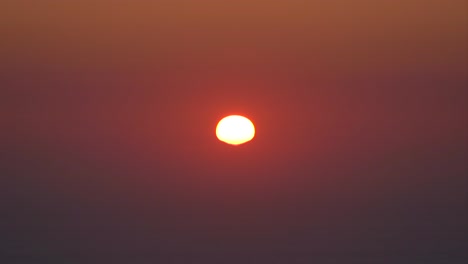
(353, 34)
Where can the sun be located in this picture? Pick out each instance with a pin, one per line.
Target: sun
(235, 130)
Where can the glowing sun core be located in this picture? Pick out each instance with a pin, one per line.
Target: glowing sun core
(235, 130)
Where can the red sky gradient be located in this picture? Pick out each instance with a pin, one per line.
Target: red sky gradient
(108, 112)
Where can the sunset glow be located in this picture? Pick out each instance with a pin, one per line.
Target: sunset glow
(235, 130)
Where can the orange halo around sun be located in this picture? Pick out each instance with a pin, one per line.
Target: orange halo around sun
(235, 130)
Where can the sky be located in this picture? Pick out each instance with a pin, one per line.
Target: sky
(108, 151)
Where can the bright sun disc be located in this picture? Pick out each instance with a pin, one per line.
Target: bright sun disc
(235, 130)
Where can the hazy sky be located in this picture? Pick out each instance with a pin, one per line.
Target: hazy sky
(108, 111)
